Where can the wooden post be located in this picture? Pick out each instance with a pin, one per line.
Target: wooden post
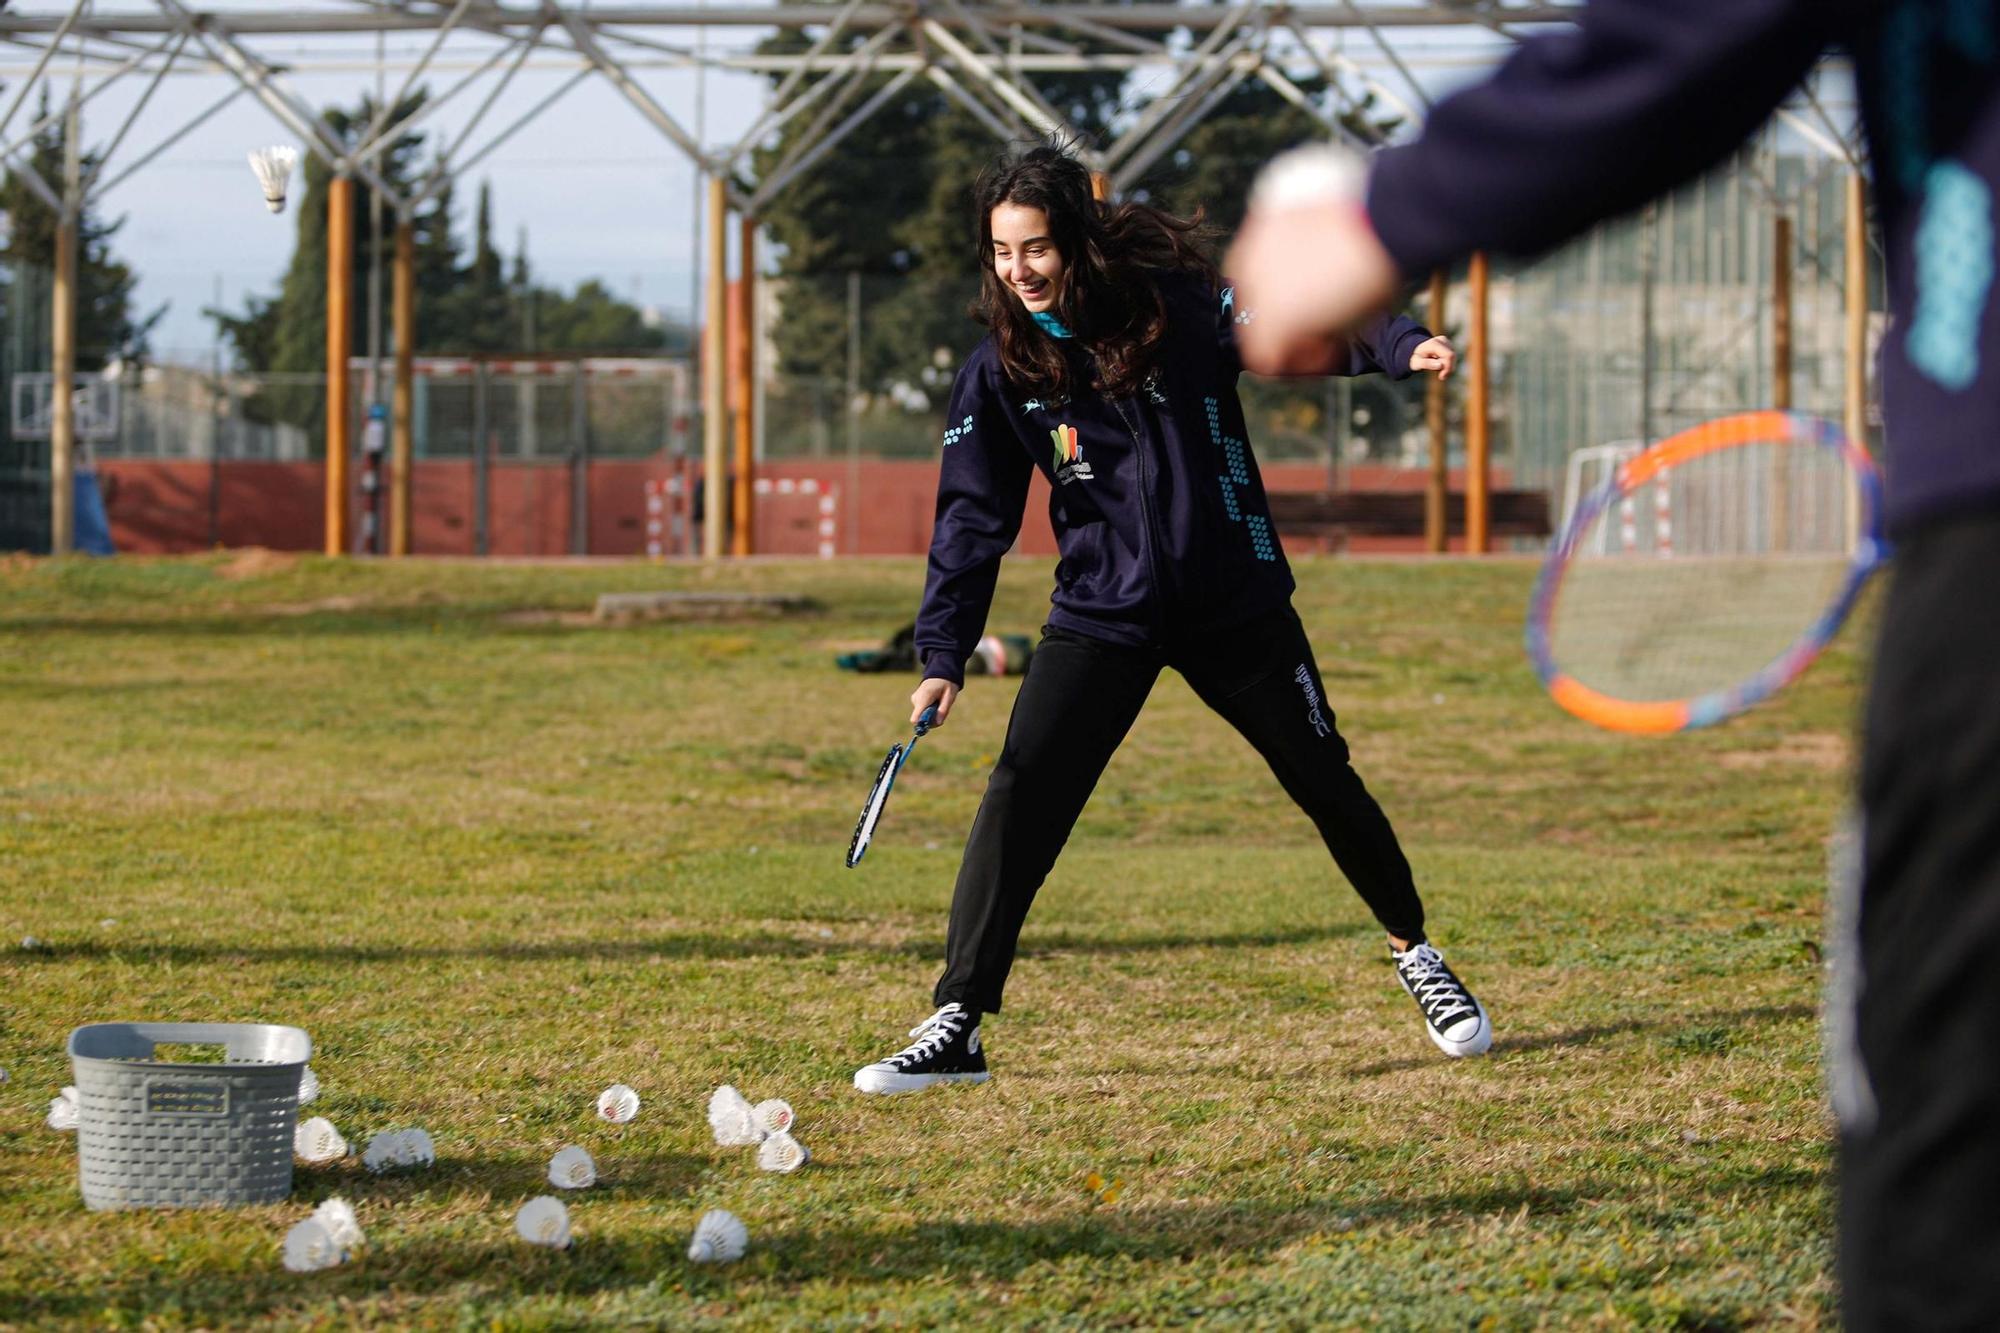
(62, 392)
(1781, 313)
(714, 399)
(339, 340)
(1478, 461)
(1437, 528)
(1100, 186)
(402, 406)
(742, 373)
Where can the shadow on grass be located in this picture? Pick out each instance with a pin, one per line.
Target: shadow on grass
(704, 946)
(1585, 1036)
(397, 1271)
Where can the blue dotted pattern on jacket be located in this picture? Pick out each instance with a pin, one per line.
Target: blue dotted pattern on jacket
(1236, 458)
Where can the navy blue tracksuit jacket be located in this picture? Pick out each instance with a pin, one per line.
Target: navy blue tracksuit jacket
(1156, 502)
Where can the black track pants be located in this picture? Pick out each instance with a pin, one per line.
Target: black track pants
(1920, 1148)
(1078, 700)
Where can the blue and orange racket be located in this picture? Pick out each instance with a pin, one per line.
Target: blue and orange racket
(878, 795)
(1707, 573)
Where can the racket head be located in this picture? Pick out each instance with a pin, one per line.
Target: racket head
(872, 807)
(1761, 530)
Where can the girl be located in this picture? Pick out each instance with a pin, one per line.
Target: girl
(1111, 366)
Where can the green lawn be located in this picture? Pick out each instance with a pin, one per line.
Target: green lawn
(494, 861)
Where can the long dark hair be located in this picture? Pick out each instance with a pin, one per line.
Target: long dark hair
(1112, 256)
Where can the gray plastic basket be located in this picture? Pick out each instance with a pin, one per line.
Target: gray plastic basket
(158, 1135)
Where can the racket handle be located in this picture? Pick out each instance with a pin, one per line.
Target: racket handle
(927, 719)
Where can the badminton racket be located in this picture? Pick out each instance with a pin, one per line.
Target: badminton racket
(878, 795)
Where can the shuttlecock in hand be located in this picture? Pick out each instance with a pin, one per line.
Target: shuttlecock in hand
(733, 1119)
(274, 173)
(719, 1238)
(783, 1153)
(775, 1116)
(572, 1169)
(310, 1246)
(617, 1104)
(337, 1216)
(64, 1110)
(316, 1140)
(543, 1221)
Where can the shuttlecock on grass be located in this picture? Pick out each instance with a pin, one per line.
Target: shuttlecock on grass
(310, 1246)
(775, 1116)
(733, 1119)
(572, 1169)
(274, 173)
(544, 1221)
(418, 1148)
(394, 1148)
(783, 1153)
(337, 1216)
(308, 1086)
(316, 1140)
(64, 1109)
(617, 1104)
(30, 943)
(719, 1238)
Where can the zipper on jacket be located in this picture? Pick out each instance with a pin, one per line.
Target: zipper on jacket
(1149, 532)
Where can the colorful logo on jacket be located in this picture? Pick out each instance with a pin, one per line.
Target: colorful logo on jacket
(1069, 464)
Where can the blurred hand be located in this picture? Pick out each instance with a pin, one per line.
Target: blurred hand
(1436, 354)
(1305, 273)
(942, 693)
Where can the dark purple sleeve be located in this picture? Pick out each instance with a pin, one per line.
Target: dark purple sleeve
(1384, 345)
(982, 493)
(1589, 122)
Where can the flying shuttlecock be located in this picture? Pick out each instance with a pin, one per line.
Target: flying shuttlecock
(310, 1246)
(64, 1110)
(544, 1221)
(274, 172)
(316, 1140)
(618, 1104)
(337, 1216)
(781, 1152)
(775, 1116)
(719, 1238)
(733, 1119)
(572, 1169)
(308, 1086)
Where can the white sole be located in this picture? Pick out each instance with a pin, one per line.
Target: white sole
(882, 1081)
(1477, 1044)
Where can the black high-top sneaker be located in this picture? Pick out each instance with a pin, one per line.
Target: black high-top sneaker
(1456, 1021)
(946, 1050)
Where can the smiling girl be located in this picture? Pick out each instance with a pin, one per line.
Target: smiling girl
(1111, 368)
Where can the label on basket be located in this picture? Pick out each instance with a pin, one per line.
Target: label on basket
(187, 1099)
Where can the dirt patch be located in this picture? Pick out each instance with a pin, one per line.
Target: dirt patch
(343, 603)
(255, 562)
(1823, 751)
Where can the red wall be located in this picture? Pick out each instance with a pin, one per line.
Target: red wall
(162, 506)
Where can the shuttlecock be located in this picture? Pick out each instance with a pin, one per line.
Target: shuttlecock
(775, 1116)
(274, 172)
(383, 1151)
(310, 1246)
(572, 1169)
(618, 1104)
(544, 1221)
(417, 1148)
(316, 1140)
(1318, 173)
(30, 943)
(719, 1238)
(337, 1216)
(308, 1086)
(64, 1108)
(733, 1119)
(781, 1152)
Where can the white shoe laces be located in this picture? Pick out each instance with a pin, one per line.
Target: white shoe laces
(1441, 995)
(931, 1035)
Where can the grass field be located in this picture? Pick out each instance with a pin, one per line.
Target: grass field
(494, 861)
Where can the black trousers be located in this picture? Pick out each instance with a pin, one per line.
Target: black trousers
(1078, 700)
(1920, 1144)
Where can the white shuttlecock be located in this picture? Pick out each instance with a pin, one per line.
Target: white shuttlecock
(337, 1216)
(310, 1246)
(618, 1104)
(1318, 173)
(719, 1238)
(781, 1152)
(775, 1116)
(30, 943)
(544, 1221)
(308, 1086)
(398, 1147)
(733, 1119)
(274, 173)
(316, 1140)
(418, 1148)
(64, 1110)
(572, 1169)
